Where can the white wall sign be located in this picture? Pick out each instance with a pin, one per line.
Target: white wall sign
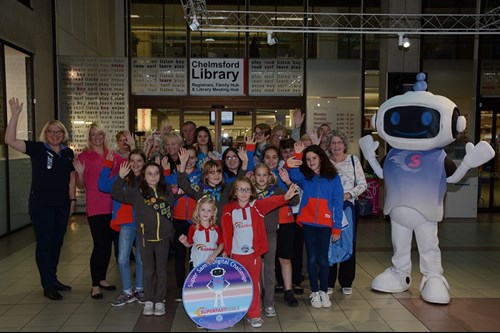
(159, 76)
(216, 77)
(276, 77)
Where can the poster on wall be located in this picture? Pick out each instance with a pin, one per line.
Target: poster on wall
(217, 77)
(92, 89)
(275, 77)
(340, 113)
(159, 76)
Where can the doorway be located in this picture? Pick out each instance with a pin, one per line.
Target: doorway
(489, 180)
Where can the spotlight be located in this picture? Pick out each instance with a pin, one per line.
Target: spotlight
(194, 25)
(270, 39)
(404, 41)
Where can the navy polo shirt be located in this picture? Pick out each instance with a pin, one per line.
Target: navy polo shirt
(50, 174)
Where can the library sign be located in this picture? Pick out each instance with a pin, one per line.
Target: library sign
(217, 77)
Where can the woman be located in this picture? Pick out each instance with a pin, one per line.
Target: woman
(124, 143)
(204, 146)
(353, 180)
(52, 196)
(172, 142)
(98, 205)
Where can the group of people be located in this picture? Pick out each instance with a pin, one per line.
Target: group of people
(258, 204)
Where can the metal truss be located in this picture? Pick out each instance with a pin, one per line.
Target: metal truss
(339, 23)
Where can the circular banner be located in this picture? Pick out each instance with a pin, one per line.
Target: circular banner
(217, 296)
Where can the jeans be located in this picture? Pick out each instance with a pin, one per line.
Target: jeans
(317, 241)
(126, 238)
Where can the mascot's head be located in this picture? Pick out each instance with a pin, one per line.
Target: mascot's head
(418, 120)
(217, 272)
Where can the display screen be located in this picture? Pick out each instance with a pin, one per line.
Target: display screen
(227, 117)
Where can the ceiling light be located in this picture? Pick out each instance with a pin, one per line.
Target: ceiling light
(270, 39)
(194, 25)
(209, 39)
(403, 41)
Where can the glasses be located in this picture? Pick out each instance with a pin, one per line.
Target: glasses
(57, 132)
(214, 172)
(243, 190)
(231, 158)
(337, 142)
(258, 133)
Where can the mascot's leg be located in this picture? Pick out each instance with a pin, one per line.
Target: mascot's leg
(434, 287)
(397, 278)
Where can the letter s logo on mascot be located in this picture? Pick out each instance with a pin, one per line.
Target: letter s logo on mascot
(418, 125)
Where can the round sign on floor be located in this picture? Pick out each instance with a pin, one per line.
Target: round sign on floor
(217, 296)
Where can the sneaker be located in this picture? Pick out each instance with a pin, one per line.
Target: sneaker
(298, 290)
(255, 322)
(329, 291)
(148, 309)
(139, 295)
(279, 289)
(346, 290)
(124, 299)
(178, 295)
(325, 300)
(315, 300)
(290, 299)
(159, 309)
(270, 311)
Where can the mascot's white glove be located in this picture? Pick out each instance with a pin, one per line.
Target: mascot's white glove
(368, 147)
(474, 156)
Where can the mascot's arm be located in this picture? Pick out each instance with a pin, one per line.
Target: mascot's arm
(474, 157)
(368, 147)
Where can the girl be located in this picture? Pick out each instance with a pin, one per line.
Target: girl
(320, 214)
(211, 182)
(265, 183)
(151, 200)
(205, 146)
(245, 235)
(183, 212)
(204, 232)
(261, 133)
(124, 222)
(231, 163)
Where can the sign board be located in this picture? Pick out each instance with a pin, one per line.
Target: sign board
(217, 296)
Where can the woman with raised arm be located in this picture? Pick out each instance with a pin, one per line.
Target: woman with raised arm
(52, 196)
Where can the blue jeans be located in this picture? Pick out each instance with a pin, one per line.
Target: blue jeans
(126, 239)
(317, 240)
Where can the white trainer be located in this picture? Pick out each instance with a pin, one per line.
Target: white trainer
(148, 309)
(329, 291)
(255, 322)
(315, 300)
(347, 290)
(325, 299)
(159, 309)
(270, 311)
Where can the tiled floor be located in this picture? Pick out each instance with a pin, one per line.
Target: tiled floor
(471, 259)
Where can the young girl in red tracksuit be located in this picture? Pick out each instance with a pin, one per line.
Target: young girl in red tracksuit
(244, 233)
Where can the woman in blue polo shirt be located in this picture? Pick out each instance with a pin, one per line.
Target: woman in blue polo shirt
(52, 196)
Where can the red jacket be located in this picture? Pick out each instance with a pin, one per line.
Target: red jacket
(258, 209)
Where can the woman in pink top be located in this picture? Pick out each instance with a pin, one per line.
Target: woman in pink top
(99, 206)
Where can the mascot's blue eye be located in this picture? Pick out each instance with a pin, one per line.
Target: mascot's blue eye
(395, 118)
(426, 118)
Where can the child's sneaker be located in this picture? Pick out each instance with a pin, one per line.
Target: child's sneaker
(139, 295)
(315, 300)
(255, 322)
(149, 309)
(329, 291)
(325, 299)
(346, 290)
(159, 309)
(290, 298)
(270, 311)
(123, 299)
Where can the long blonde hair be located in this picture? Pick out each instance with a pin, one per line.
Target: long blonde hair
(196, 214)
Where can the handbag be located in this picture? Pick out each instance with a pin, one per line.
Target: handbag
(363, 206)
(341, 250)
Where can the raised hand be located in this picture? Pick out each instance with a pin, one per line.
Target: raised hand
(313, 135)
(285, 177)
(124, 169)
(292, 162)
(299, 147)
(164, 163)
(79, 166)
(250, 140)
(130, 139)
(242, 154)
(298, 118)
(110, 156)
(293, 190)
(15, 106)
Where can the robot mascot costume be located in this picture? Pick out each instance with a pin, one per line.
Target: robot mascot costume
(418, 125)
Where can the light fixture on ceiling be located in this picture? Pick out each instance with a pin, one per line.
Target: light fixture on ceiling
(194, 25)
(209, 40)
(270, 39)
(403, 41)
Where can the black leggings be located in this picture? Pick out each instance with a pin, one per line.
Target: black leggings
(102, 236)
(181, 228)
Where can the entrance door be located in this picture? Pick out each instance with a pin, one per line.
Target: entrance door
(489, 179)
